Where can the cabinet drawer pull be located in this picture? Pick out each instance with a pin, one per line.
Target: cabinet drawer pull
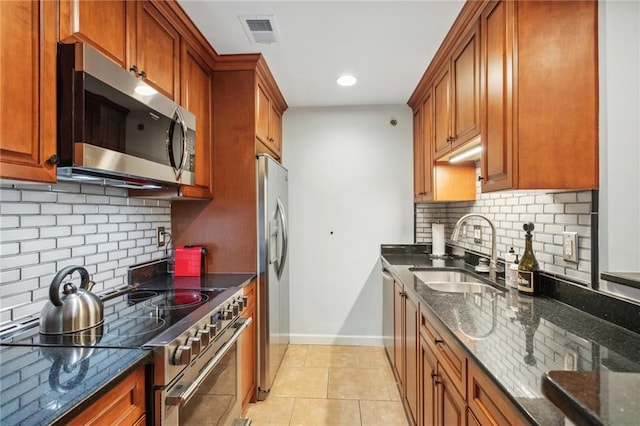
(438, 341)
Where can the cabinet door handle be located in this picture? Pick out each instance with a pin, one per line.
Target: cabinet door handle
(134, 69)
(436, 381)
(480, 178)
(142, 75)
(54, 159)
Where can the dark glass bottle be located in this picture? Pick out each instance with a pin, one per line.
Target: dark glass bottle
(528, 268)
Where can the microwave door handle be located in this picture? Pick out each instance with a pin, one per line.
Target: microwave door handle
(177, 119)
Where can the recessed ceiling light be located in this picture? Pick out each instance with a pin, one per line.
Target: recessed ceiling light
(346, 80)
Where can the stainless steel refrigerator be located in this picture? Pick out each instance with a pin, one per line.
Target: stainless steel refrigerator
(273, 270)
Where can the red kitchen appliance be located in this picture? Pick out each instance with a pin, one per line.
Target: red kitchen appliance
(190, 261)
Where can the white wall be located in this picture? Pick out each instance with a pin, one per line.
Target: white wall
(351, 180)
(619, 50)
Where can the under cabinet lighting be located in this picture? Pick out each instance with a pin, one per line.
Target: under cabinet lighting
(466, 154)
(145, 90)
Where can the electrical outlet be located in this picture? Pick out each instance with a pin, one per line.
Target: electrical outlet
(477, 234)
(570, 246)
(160, 236)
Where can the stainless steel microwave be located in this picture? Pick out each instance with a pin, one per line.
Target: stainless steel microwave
(115, 129)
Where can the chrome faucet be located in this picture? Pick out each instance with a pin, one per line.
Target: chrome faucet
(494, 255)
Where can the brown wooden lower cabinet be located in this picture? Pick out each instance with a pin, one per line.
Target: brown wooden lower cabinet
(248, 378)
(428, 394)
(452, 388)
(123, 405)
(471, 419)
(488, 403)
(406, 350)
(440, 402)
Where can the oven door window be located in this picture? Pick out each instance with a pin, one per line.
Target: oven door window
(215, 400)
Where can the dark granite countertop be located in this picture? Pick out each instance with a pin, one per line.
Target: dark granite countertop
(590, 398)
(518, 339)
(42, 385)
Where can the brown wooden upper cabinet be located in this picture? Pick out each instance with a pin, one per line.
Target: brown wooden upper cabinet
(539, 95)
(521, 77)
(437, 181)
(268, 121)
(28, 109)
(135, 35)
(196, 93)
(457, 96)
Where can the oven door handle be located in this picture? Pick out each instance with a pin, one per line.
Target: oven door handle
(182, 398)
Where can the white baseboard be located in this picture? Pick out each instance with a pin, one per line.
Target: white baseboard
(318, 339)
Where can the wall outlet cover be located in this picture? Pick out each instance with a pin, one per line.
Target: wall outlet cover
(477, 234)
(570, 246)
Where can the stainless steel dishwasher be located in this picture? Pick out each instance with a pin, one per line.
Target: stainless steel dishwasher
(387, 312)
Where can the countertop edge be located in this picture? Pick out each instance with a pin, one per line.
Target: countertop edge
(571, 407)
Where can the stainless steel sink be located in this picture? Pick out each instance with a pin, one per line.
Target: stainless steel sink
(444, 276)
(462, 287)
(452, 281)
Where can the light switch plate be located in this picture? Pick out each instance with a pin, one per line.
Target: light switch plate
(570, 246)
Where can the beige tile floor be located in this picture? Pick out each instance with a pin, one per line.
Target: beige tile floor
(331, 385)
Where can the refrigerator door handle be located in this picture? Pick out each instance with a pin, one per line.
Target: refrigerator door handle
(285, 239)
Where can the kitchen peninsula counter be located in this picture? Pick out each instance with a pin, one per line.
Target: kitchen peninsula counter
(518, 339)
(43, 384)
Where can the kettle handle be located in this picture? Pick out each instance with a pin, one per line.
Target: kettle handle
(54, 290)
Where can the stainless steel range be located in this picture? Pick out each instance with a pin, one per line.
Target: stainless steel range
(192, 330)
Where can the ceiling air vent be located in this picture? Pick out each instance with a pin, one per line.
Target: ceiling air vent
(260, 29)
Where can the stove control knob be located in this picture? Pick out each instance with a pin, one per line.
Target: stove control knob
(245, 301)
(205, 336)
(182, 355)
(213, 329)
(235, 307)
(228, 314)
(195, 344)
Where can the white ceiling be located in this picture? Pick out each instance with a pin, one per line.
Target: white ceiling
(387, 45)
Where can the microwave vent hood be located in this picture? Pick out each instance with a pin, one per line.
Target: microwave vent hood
(111, 134)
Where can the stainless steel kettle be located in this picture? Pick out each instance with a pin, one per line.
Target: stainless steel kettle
(78, 309)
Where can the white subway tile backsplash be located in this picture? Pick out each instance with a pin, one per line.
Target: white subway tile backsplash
(70, 241)
(37, 245)
(552, 213)
(56, 208)
(38, 270)
(72, 198)
(9, 222)
(7, 249)
(44, 228)
(85, 209)
(18, 234)
(23, 259)
(52, 255)
(84, 250)
(97, 259)
(19, 208)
